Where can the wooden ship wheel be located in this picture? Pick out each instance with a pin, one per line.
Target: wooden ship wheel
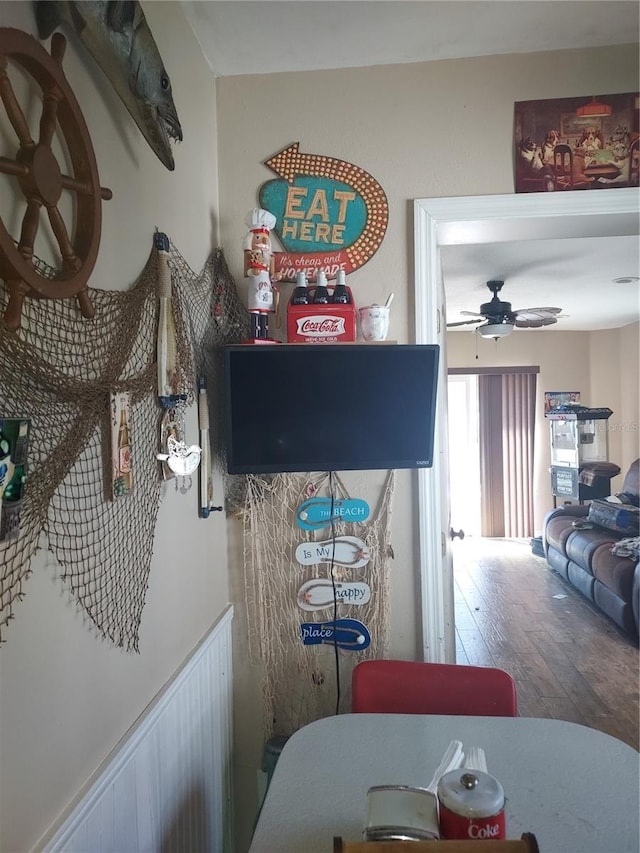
(42, 181)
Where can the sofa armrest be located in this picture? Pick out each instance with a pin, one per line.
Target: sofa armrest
(573, 510)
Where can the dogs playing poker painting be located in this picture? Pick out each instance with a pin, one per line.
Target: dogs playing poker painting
(580, 143)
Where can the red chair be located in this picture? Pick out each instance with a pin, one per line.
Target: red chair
(412, 687)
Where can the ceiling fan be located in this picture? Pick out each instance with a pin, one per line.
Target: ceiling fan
(501, 320)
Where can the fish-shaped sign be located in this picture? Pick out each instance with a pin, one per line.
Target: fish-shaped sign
(318, 593)
(318, 512)
(118, 37)
(345, 551)
(349, 634)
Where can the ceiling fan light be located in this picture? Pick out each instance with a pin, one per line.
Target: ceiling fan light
(594, 109)
(495, 330)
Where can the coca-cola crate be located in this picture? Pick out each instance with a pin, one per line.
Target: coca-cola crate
(321, 324)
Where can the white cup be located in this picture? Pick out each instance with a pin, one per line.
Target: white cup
(374, 322)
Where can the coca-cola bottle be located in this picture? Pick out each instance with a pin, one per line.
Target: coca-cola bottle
(124, 453)
(340, 295)
(321, 295)
(300, 294)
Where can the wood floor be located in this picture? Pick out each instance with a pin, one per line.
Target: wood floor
(569, 661)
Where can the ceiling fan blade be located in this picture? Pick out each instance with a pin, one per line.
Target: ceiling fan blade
(465, 322)
(536, 323)
(471, 314)
(535, 313)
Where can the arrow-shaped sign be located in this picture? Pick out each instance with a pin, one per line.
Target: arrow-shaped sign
(335, 208)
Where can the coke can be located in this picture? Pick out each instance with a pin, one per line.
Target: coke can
(471, 806)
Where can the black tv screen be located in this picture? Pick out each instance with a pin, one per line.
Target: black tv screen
(329, 407)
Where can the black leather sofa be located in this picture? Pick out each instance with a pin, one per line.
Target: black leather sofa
(583, 557)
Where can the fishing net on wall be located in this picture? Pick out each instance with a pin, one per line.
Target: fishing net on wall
(299, 682)
(58, 370)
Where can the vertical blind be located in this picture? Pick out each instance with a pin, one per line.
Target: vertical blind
(491, 453)
(507, 422)
(518, 423)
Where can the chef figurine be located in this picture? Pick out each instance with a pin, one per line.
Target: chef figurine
(259, 267)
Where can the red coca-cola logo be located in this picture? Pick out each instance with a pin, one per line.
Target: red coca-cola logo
(489, 831)
(320, 326)
(453, 825)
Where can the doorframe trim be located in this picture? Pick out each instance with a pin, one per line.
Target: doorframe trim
(436, 587)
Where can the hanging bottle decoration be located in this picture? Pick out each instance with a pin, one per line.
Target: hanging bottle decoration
(168, 390)
(121, 456)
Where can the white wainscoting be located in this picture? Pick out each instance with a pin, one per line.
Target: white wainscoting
(168, 785)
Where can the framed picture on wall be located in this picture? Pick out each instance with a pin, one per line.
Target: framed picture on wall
(577, 143)
(576, 127)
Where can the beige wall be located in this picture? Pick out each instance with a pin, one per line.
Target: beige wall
(422, 130)
(613, 368)
(67, 697)
(425, 130)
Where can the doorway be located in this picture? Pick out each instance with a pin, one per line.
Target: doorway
(466, 220)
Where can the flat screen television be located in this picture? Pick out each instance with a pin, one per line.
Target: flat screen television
(329, 407)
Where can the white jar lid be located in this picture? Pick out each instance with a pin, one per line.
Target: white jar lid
(471, 793)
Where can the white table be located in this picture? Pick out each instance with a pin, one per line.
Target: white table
(575, 788)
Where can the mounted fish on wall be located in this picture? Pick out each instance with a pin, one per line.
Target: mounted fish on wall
(116, 34)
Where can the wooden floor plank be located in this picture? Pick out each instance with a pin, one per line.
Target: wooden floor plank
(545, 682)
(564, 709)
(569, 661)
